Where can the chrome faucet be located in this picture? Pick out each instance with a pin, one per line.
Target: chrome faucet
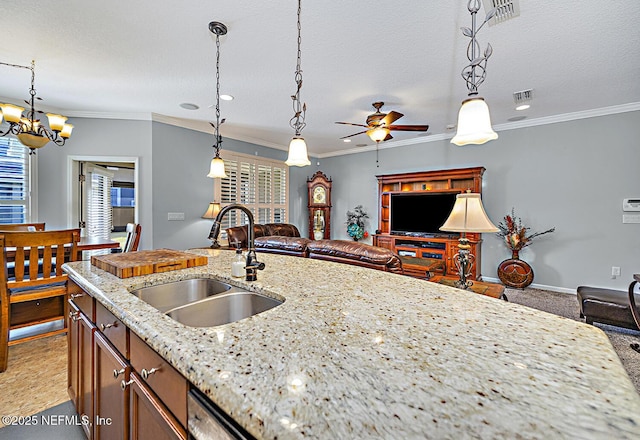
(252, 265)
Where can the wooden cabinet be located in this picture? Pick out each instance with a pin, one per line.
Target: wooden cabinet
(421, 252)
(117, 383)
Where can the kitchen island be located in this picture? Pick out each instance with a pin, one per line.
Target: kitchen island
(360, 353)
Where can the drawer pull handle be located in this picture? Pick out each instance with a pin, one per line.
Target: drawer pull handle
(76, 295)
(117, 373)
(103, 327)
(124, 384)
(74, 316)
(146, 373)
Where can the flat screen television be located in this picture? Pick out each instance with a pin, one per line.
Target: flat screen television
(420, 213)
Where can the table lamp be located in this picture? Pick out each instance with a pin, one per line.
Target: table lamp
(467, 215)
(212, 210)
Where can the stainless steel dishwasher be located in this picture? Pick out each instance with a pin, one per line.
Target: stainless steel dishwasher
(207, 422)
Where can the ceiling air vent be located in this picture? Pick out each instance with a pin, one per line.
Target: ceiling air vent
(506, 10)
(523, 96)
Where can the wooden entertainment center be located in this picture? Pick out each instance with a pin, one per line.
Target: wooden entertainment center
(426, 253)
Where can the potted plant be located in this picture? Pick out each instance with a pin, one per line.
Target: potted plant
(355, 223)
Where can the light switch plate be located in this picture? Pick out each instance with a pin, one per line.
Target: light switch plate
(175, 216)
(630, 218)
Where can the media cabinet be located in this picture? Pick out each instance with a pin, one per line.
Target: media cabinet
(423, 254)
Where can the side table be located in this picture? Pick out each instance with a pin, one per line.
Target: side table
(489, 289)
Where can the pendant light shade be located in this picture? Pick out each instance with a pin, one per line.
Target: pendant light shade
(474, 123)
(298, 153)
(217, 168)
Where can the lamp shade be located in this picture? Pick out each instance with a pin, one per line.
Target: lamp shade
(212, 211)
(468, 215)
(298, 153)
(12, 113)
(217, 168)
(56, 122)
(474, 123)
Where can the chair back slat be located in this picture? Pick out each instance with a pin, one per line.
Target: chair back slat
(38, 256)
(133, 237)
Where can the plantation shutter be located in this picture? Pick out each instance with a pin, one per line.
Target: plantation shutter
(14, 182)
(259, 184)
(99, 212)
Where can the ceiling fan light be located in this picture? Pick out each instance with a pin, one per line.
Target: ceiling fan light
(298, 156)
(217, 168)
(378, 134)
(474, 123)
(12, 113)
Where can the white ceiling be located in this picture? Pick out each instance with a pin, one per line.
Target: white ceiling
(137, 58)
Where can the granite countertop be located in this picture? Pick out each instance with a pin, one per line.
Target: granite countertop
(360, 353)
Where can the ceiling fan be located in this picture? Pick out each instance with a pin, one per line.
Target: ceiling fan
(379, 126)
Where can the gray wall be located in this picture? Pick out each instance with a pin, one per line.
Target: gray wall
(181, 160)
(570, 175)
(94, 137)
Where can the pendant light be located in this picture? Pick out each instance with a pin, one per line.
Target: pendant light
(474, 121)
(217, 164)
(298, 148)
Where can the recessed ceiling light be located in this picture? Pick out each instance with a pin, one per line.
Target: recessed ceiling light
(361, 145)
(517, 118)
(189, 106)
(346, 140)
(226, 97)
(450, 127)
(523, 107)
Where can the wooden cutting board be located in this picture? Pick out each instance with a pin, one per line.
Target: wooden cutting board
(133, 264)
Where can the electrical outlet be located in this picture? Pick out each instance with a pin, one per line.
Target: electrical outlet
(615, 271)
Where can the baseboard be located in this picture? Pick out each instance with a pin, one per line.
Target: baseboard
(537, 286)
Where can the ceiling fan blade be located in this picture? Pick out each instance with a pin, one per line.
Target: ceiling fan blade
(409, 127)
(391, 118)
(349, 123)
(388, 137)
(355, 134)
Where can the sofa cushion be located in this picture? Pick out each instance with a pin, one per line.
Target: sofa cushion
(607, 306)
(282, 245)
(355, 253)
(237, 236)
(282, 229)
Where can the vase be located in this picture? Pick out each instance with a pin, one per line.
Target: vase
(514, 272)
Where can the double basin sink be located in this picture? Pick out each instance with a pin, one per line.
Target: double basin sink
(205, 302)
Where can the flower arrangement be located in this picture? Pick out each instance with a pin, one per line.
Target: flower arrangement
(355, 223)
(515, 234)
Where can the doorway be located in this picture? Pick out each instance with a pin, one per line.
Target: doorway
(103, 196)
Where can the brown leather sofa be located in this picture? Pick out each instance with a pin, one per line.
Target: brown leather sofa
(237, 236)
(284, 239)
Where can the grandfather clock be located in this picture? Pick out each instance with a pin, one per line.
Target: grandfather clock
(319, 188)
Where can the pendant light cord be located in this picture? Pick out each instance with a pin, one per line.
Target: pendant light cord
(299, 108)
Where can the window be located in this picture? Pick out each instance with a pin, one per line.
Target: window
(15, 200)
(99, 216)
(258, 183)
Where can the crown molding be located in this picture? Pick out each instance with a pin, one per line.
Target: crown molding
(565, 117)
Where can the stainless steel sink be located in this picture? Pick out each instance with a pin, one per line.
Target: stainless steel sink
(168, 296)
(204, 302)
(223, 309)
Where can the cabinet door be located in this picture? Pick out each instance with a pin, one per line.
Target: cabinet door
(111, 401)
(384, 242)
(149, 417)
(85, 373)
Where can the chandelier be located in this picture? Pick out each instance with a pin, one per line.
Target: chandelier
(29, 131)
(474, 121)
(217, 164)
(298, 147)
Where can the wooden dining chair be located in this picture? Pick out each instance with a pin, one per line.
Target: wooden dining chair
(133, 237)
(22, 227)
(37, 291)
